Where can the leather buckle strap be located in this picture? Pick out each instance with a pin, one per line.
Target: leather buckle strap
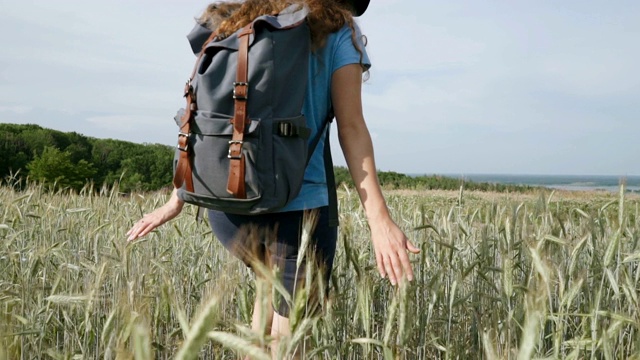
(184, 173)
(240, 90)
(235, 149)
(183, 143)
(235, 184)
(236, 181)
(188, 89)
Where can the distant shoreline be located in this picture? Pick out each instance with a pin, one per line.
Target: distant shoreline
(606, 183)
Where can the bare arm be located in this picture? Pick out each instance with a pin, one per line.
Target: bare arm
(390, 243)
(159, 216)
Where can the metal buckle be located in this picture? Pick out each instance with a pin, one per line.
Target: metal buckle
(182, 134)
(188, 88)
(235, 142)
(235, 92)
(285, 129)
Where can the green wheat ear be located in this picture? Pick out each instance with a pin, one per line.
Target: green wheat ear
(536, 275)
(141, 343)
(239, 345)
(201, 325)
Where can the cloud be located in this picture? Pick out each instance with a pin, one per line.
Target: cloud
(541, 86)
(591, 73)
(16, 109)
(417, 43)
(523, 68)
(123, 123)
(132, 127)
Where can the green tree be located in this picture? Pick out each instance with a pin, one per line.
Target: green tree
(55, 167)
(342, 176)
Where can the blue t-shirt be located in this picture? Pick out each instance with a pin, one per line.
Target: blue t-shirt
(337, 52)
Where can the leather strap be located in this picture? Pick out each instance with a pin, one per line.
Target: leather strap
(240, 120)
(184, 171)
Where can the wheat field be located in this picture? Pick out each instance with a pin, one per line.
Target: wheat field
(500, 276)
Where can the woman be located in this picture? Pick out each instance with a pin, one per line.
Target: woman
(335, 77)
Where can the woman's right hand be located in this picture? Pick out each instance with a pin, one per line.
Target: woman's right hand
(392, 250)
(156, 218)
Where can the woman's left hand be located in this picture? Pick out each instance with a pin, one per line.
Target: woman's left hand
(392, 247)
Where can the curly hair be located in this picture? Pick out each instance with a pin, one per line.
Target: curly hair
(216, 13)
(324, 18)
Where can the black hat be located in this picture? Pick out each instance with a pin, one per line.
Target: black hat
(358, 6)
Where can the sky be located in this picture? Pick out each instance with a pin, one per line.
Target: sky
(457, 87)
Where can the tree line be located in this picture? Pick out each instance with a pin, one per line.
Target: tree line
(391, 180)
(71, 160)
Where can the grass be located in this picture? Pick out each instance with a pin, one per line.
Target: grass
(544, 275)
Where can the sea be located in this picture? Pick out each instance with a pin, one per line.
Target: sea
(561, 182)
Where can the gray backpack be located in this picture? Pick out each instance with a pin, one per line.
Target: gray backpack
(243, 141)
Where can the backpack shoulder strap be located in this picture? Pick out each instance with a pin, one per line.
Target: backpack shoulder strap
(328, 167)
(334, 220)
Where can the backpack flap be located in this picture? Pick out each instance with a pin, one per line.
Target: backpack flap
(198, 36)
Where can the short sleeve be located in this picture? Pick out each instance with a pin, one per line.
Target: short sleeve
(346, 53)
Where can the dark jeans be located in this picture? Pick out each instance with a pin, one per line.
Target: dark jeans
(274, 240)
